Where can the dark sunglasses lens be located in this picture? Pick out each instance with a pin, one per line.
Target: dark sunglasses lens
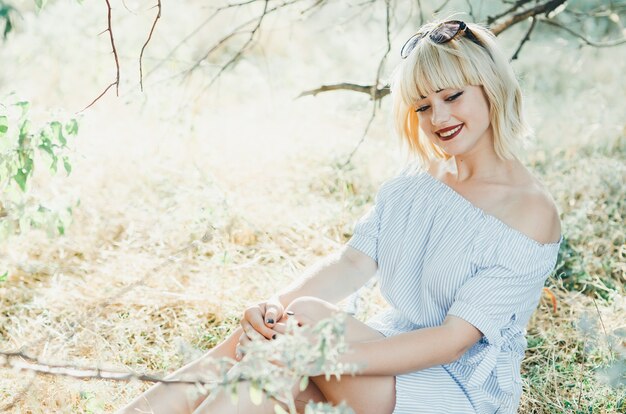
(410, 45)
(445, 32)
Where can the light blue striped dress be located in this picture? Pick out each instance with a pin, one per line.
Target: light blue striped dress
(438, 254)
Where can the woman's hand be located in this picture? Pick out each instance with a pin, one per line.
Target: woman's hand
(258, 321)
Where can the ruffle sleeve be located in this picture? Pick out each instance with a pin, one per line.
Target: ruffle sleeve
(367, 229)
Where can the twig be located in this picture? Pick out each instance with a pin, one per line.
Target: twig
(367, 89)
(544, 8)
(593, 43)
(603, 327)
(156, 19)
(526, 38)
(374, 89)
(516, 5)
(237, 55)
(471, 10)
(194, 32)
(419, 6)
(367, 128)
(438, 9)
(117, 62)
(21, 361)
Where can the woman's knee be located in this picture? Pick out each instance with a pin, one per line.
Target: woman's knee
(309, 309)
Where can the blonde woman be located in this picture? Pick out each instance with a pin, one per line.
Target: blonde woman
(462, 241)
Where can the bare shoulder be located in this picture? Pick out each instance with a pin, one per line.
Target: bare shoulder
(534, 212)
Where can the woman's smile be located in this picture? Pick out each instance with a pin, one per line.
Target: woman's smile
(447, 134)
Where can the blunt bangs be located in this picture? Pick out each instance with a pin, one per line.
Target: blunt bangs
(431, 67)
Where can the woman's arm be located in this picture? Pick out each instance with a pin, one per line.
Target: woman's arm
(415, 350)
(331, 279)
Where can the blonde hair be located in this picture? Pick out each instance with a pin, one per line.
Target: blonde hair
(431, 67)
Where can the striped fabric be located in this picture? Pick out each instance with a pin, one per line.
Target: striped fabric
(438, 254)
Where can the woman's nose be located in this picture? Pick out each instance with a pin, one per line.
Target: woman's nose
(440, 116)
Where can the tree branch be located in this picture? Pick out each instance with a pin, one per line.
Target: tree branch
(156, 19)
(237, 55)
(367, 89)
(525, 39)
(544, 8)
(116, 83)
(21, 361)
(593, 43)
(374, 88)
(516, 5)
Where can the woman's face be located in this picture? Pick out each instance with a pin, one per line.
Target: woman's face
(456, 120)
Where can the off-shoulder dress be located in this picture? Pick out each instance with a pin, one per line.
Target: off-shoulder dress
(438, 254)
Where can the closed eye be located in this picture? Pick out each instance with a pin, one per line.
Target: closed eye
(453, 97)
(448, 99)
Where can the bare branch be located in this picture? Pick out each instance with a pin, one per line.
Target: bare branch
(158, 16)
(471, 10)
(593, 43)
(117, 62)
(419, 6)
(380, 93)
(374, 87)
(21, 361)
(195, 31)
(441, 6)
(544, 8)
(516, 5)
(98, 97)
(237, 55)
(525, 39)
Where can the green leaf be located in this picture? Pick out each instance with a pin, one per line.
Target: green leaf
(20, 178)
(24, 105)
(279, 410)
(40, 3)
(61, 229)
(3, 277)
(256, 395)
(23, 132)
(53, 166)
(46, 145)
(57, 132)
(72, 127)
(304, 382)
(67, 165)
(4, 125)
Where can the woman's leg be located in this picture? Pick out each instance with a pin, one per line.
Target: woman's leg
(365, 394)
(185, 398)
(182, 398)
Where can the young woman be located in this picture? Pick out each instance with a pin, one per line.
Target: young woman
(462, 241)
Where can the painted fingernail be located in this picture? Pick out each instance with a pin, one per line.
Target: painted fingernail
(299, 323)
(274, 336)
(290, 313)
(269, 320)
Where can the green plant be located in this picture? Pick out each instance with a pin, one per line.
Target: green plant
(21, 148)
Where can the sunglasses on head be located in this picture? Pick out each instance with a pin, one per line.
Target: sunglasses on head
(442, 33)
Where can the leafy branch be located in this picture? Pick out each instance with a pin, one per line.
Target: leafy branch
(271, 368)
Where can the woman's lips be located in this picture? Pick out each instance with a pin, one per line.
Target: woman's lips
(451, 136)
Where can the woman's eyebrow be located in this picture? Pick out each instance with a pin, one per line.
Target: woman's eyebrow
(423, 97)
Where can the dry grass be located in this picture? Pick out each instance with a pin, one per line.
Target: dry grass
(258, 173)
